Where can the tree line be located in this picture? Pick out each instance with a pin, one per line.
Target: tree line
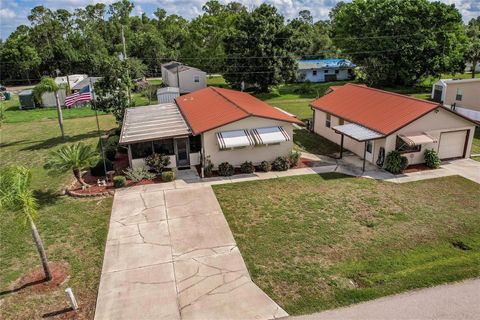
(395, 42)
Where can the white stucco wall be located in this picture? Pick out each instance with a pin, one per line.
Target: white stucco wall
(433, 124)
(187, 83)
(140, 163)
(320, 76)
(252, 153)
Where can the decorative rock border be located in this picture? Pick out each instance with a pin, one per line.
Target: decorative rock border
(74, 193)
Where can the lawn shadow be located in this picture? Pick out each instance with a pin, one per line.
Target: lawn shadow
(52, 142)
(24, 286)
(46, 197)
(57, 313)
(314, 143)
(333, 176)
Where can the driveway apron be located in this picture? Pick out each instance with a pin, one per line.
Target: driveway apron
(170, 254)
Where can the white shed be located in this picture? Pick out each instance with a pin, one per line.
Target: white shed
(167, 94)
(186, 78)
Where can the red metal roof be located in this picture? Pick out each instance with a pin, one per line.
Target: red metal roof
(213, 107)
(379, 110)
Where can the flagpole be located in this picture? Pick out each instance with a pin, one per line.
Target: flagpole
(99, 133)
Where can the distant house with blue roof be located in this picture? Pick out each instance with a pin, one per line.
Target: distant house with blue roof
(323, 70)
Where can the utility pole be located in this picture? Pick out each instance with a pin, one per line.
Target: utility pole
(125, 59)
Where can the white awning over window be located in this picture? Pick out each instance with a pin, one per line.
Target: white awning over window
(416, 139)
(357, 132)
(270, 135)
(234, 139)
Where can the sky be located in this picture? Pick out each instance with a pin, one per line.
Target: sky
(14, 13)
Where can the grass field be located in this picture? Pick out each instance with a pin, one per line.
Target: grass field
(323, 241)
(73, 230)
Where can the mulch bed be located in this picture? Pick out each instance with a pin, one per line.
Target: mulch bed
(34, 279)
(417, 168)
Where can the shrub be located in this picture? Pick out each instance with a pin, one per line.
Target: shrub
(431, 158)
(395, 162)
(168, 176)
(138, 174)
(98, 170)
(281, 164)
(208, 167)
(119, 181)
(247, 167)
(225, 169)
(265, 166)
(113, 141)
(110, 152)
(293, 158)
(157, 162)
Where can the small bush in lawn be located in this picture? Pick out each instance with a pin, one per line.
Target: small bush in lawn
(265, 166)
(119, 181)
(293, 158)
(157, 162)
(281, 164)
(395, 162)
(431, 158)
(225, 169)
(98, 170)
(247, 167)
(208, 167)
(138, 174)
(168, 176)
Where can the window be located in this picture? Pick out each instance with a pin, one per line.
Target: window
(141, 150)
(403, 147)
(195, 143)
(164, 147)
(328, 120)
(370, 146)
(196, 79)
(341, 122)
(336, 71)
(459, 95)
(349, 71)
(314, 72)
(326, 71)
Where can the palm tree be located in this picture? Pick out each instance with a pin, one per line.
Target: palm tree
(48, 84)
(76, 157)
(16, 196)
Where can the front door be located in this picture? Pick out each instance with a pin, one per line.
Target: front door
(369, 153)
(181, 150)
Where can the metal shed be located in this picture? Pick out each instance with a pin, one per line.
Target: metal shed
(167, 94)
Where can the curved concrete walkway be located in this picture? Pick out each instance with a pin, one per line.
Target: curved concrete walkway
(458, 301)
(170, 254)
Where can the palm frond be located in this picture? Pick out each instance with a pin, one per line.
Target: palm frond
(77, 156)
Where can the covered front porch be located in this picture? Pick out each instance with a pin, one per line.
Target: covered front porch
(159, 129)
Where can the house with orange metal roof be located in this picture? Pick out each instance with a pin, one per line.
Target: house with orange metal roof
(371, 123)
(221, 124)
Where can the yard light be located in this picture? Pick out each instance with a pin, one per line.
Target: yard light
(71, 298)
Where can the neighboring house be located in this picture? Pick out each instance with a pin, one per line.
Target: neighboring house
(221, 124)
(48, 98)
(324, 70)
(187, 79)
(371, 123)
(167, 94)
(84, 83)
(461, 95)
(468, 67)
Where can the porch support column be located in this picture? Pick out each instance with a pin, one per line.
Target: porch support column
(364, 155)
(130, 155)
(341, 146)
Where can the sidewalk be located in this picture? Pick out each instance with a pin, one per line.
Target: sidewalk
(458, 301)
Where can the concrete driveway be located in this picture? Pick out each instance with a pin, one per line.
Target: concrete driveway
(170, 255)
(466, 168)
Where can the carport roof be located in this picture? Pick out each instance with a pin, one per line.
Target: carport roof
(357, 132)
(154, 122)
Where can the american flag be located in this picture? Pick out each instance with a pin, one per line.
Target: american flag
(82, 96)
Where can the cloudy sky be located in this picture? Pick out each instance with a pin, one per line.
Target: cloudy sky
(14, 13)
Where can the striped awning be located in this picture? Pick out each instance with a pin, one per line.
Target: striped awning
(417, 138)
(270, 135)
(234, 139)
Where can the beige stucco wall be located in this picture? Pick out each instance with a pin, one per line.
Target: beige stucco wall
(471, 95)
(187, 83)
(252, 153)
(432, 124)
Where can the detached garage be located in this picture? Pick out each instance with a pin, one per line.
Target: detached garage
(371, 122)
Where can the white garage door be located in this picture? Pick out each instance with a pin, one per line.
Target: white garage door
(452, 144)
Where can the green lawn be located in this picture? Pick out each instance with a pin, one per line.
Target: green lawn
(73, 230)
(217, 81)
(318, 242)
(307, 141)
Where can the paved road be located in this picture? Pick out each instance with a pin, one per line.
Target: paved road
(171, 255)
(460, 301)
